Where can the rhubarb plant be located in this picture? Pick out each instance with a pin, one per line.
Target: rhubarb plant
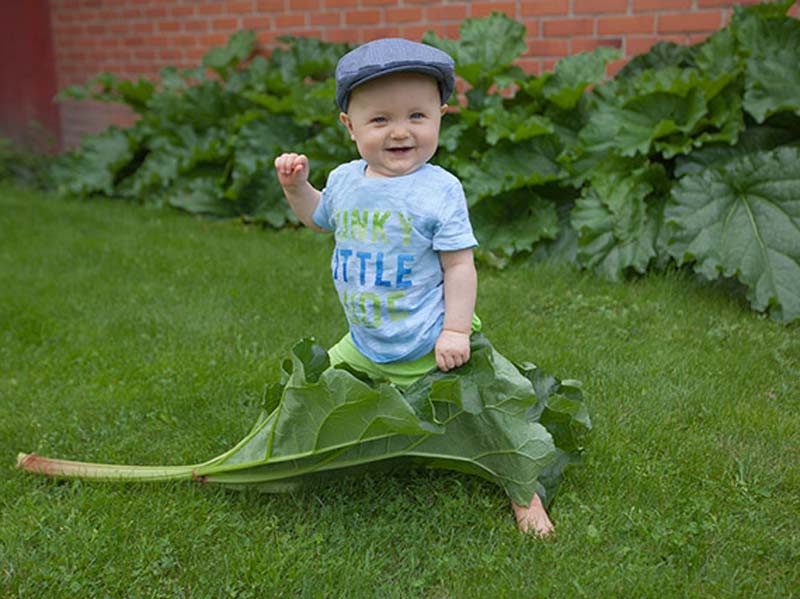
(510, 424)
(564, 165)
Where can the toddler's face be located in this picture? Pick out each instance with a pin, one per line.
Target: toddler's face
(395, 121)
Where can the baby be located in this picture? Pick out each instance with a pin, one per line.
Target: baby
(403, 264)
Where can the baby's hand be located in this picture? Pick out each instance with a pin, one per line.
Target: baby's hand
(452, 349)
(292, 170)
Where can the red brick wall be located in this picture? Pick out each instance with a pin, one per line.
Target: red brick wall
(135, 38)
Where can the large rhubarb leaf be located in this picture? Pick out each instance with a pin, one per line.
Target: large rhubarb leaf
(472, 422)
(486, 48)
(742, 220)
(515, 123)
(751, 140)
(482, 419)
(772, 47)
(573, 74)
(225, 59)
(660, 56)
(617, 220)
(514, 223)
(507, 166)
(669, 111)
(97, 165)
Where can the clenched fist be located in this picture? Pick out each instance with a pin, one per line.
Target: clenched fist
(452, 349)
(292, 170)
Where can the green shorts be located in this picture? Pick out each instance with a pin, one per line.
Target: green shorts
(401, 374)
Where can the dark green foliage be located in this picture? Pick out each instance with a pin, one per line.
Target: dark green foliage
(205, 143)
(24, 165)
(560, 166)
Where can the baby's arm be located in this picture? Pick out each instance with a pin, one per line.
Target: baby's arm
(460, 290)
(292, 170)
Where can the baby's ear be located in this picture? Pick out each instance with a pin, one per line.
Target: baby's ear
(444, 109)
(346, 122)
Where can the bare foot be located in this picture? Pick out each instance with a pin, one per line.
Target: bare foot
(533, 519)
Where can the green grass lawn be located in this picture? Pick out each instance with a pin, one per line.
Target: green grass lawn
(137, 336)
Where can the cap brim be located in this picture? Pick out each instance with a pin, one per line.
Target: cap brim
(423, 69)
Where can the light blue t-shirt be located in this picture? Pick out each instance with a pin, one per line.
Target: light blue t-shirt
(386, 267)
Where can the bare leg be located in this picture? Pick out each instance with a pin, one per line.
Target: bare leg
(534, 518)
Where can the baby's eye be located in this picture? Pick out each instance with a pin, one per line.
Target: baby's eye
(417, 115)
(378, 119)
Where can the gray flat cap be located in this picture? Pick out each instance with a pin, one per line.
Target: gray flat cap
(392, 55)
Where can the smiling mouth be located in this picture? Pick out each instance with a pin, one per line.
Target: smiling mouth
(401, 150)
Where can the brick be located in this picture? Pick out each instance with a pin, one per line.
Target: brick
(533, 27)
(542, 8)
(661, 5)
(326, 19)
(374, 33)
(184, 40)
(578, 45)
(181, 11)
(362, 17)
(304, 5)
(170, 54)
(679, 23)
(240, 8)
(129, 41)
(168, 26)
(143, 27)
(270, 6)
(264, 22)
(216, 8)
(315, 33)
(599, 7)
(225, 24)
(293, 20)
(340, 35)
(76, 56)
(723, 3)
(415, 32)
(159, 41)
(447, 12)
(635, 44)
(566, 27)
(144, 54)
(212, 39)
(196, 25)
(622, 25)
(340, 3)
(549, 47)
(403, 15)
(484, 9)
(379, 2)
(152, 12)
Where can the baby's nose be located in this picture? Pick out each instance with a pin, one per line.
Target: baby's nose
(399, 132)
